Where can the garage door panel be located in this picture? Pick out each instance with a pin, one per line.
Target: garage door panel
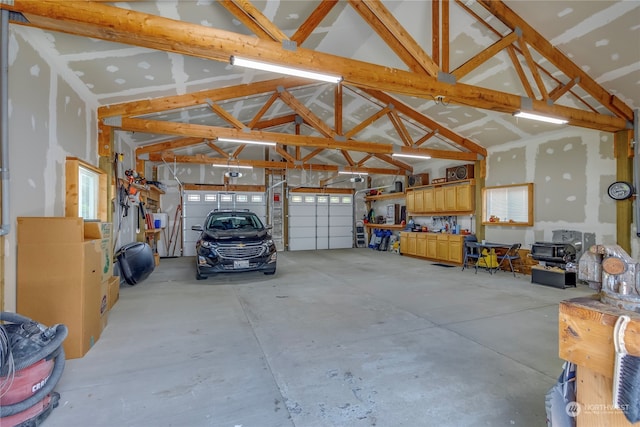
(327, 217)
(341, 242)
(297, 244)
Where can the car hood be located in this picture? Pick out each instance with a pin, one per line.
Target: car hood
(230, 236)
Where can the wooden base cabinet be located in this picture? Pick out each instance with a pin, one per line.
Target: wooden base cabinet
(433, 246)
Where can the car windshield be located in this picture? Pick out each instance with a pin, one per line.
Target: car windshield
(234, 221)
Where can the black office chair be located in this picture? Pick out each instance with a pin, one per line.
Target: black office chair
(471, 254)
(512, 256)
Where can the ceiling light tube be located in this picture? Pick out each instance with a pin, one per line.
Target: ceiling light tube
(547, 119)
(246, 141)
(231, 166)
(412, 156)
(352, 173)
(265, 66)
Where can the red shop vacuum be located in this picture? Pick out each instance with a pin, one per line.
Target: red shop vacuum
(31, 364)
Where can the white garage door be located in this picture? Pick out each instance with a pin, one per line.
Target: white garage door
(197, 204)
(320, 221)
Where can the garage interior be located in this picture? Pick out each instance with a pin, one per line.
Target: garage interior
(148, 101)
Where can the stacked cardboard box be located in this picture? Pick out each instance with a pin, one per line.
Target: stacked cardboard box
(64, 276)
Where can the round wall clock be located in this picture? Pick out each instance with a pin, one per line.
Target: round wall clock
(620, 190)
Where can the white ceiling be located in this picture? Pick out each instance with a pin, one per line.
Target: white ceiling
(601, 37)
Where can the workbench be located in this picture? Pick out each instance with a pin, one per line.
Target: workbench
(586, 339)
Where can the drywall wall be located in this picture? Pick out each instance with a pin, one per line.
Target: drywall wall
(48, 121)
(571, 170)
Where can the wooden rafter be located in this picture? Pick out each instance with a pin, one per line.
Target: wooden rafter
(512, 50)
(557, 58)
(533, 68)
(425, 138)
(263, 110)
(426, 121)
(366, 122)
(484, 55)
(304, 112)
(521, 75)
(226, 116)
(561, 89)
(307, 27)
(136, 28)
(395, 36)
(267, 164)
(253, 19)
(219, 150)
(400, 128)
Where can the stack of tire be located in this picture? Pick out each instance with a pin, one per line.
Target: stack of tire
(31, 364)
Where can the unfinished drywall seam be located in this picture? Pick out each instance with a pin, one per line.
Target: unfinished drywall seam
(53, 150)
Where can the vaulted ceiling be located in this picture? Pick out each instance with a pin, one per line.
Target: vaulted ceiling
(439, 78)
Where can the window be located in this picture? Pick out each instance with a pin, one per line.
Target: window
(508, 205)
(86, 190)
(210, 197)
(193, 197)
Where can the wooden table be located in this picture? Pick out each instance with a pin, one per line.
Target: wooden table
(585, 328)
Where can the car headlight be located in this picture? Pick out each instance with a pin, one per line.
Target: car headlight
(269, 242)
(207, 244)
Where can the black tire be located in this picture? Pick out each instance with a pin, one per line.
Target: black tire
(270, 273)
(200, 276)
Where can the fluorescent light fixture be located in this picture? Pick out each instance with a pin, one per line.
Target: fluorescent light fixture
(246, 141)
(352, 173)
(232, 166)
(547, 119)
(265, 66)
(412, 156)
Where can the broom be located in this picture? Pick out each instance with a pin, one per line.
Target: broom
(626, 375)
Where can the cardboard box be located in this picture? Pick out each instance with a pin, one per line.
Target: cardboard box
(102, 231)
(114, 290)
(54, 230)
(60, 283)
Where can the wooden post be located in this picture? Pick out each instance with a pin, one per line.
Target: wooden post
(624, 172)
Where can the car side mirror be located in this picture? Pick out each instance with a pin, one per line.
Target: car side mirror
(196, 227)
(268, 227)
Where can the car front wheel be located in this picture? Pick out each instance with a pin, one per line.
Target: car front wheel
(200, 276)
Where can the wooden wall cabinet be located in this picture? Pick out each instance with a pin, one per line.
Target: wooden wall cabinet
(441, 199)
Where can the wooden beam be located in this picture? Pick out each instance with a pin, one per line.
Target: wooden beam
(395, 36)
(400, 128)
(226, 116)
(445, 36)
(561, 89)
(263, 110)
(367, 122)
(140, 29)
(306, 114)
(266, 164)
(426, 121)
(318, 14)
(214, 147)
(253, 19)
(337, 109)
(213, 132)
(556, 57)
(392, 161)
(520, 71)
(166, 103)
(533, 67)
(484, 55)
(435, 31)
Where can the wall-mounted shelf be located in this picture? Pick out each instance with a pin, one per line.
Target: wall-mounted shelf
(386, 226)
(443, 184)
(385, 196)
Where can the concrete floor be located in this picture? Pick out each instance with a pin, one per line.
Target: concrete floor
(336, 338)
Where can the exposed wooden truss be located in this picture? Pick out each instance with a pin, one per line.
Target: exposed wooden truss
(378, 82)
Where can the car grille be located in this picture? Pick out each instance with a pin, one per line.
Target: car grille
(240, 252)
